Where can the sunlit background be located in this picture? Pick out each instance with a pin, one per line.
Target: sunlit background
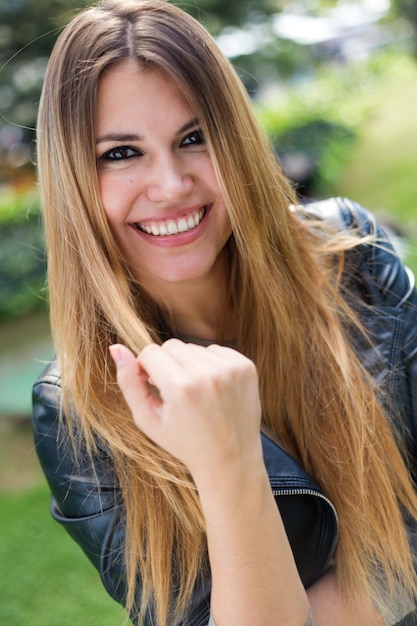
(335, 86)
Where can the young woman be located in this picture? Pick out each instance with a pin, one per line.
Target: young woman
(251, 465)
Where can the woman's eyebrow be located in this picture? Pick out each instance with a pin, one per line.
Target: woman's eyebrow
(117, 137)
(190, 124)
(124, 137)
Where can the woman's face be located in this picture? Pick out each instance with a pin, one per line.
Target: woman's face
(157, 183)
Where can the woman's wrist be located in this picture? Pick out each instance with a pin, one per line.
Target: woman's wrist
(224, 492)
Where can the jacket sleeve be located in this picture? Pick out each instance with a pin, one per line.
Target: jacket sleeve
(378, 275)
(86, 498)
(382, 290)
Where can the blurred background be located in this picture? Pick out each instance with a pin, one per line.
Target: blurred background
(334, 84)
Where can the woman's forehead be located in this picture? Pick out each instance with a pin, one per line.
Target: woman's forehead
(132, 98)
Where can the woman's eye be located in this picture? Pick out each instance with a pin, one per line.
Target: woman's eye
(120, 154)
(196, 138)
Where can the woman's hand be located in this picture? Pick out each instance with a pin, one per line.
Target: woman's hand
(208, 411)
(208, 415)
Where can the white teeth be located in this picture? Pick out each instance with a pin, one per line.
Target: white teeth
(172, 227)
(182, 226)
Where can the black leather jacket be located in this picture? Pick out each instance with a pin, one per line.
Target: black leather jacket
(89, 505)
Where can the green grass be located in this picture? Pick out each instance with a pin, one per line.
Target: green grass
(45, 578)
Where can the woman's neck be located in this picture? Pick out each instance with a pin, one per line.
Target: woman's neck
(198, 308)
(197, 311)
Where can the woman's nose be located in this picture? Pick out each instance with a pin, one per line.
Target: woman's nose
(169, 182)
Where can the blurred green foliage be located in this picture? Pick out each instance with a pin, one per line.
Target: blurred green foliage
(321, 118)
(28, 29)
(17, 207)
(22, 257)
(217, 14)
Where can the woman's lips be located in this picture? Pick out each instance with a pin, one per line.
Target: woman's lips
(173, 232)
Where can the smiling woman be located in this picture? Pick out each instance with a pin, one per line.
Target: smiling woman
(249, 465)
(157, 183)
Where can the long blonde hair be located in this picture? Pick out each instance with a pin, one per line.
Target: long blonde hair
(316, 397)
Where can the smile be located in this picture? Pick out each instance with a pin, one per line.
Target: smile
(172, 226)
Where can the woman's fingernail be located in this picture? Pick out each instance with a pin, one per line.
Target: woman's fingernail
(116, 354)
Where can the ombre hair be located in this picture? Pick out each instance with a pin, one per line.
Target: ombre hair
(283, 290)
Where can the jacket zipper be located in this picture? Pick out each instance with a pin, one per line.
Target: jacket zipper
(299, 491)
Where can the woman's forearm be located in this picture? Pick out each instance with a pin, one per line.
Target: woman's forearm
(254, 576)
